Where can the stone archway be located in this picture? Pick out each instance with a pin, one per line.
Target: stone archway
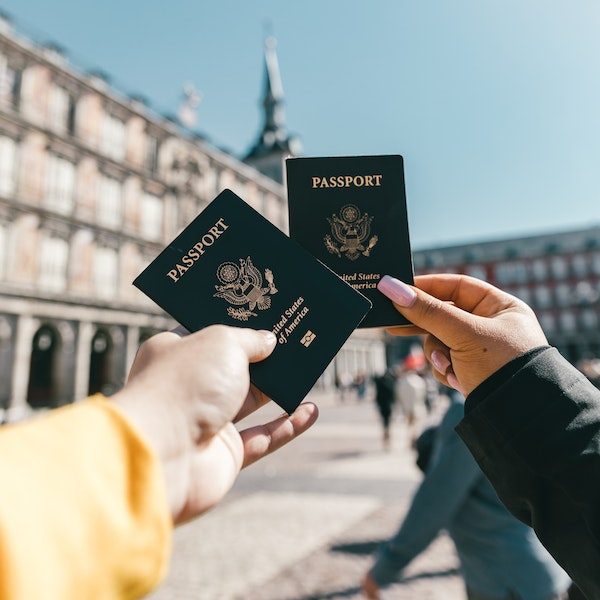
(43, 389)
(101, 363)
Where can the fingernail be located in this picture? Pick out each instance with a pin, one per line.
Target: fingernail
(440, 361)
(397, 291)
(453, 382)
(269, 336)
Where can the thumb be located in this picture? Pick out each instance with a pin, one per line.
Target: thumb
(445, 321)
(256, 344)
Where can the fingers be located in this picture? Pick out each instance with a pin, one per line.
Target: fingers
(254, 400)
(468, 293)
(264, 439)
(256, 344)
(444, 320)
(438, 354)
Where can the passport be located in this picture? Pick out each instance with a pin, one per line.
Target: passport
(231, 266)
(350, 213)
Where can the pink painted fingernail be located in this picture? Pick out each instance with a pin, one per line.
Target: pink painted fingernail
(453, 382)
(397, 291)
(440, 361)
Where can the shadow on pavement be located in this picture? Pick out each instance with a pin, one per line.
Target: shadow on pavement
(345, 593)
(357, 547)
(352, 591)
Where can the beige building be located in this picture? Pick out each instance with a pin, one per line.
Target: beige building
(92, 186)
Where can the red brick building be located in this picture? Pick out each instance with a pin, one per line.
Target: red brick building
(557, 274)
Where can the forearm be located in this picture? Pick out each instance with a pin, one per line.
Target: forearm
(83, 511)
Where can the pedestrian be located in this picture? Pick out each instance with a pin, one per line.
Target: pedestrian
(90, 492)
(410, 392)
(360, 383)
(532, 421)
(501, 559)
(384, 400)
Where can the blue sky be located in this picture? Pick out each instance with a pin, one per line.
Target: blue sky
(494, 105)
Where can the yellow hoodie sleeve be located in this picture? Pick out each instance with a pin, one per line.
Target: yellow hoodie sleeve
(83, 509)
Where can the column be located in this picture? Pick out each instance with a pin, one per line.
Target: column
(82, 359)
(26, 326)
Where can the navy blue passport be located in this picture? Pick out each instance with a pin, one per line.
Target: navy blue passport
(350, 213)
(232, 266)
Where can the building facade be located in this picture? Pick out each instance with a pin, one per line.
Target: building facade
(557, 274)
(93, 184)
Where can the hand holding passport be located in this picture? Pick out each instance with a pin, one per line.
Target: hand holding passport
(231, 266)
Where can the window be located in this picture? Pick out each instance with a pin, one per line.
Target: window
(151, 217)
(60, 184)
(8, 163)
(563, 294)
(505, 273)
(585, 293)
(580, 265)
(520, 272)
(548, 322)
(589, 318)
(59, 106)
(524, 294)
(10, 84)
(596, 263)
(113, 137)
(53, 264)
(540, 270)
(105, 272)
(108, 208)
(152, 153)
(568, 322)
(477, 271)
(560, 268)
(543, 297)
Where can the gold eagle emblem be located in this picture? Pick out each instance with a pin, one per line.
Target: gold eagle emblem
(349, 232)
(242, 286)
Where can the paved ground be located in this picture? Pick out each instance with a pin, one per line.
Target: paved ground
(303, 523)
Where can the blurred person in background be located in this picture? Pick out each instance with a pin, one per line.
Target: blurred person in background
(411, 392)
(532, 420)
(384, 400)
(432, 387)
(360, 384)
(501, 559)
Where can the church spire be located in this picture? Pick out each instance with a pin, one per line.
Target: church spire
(274, 142)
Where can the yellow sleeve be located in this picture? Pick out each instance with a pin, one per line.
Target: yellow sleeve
(83, 509)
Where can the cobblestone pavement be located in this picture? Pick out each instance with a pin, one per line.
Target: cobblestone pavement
(303, 523)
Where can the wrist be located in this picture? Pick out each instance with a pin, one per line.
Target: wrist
(164, 428)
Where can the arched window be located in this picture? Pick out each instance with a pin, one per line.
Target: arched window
(101, 364)
(42, 391)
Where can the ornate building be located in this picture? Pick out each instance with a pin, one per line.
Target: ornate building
(92, 186)
(274, 143)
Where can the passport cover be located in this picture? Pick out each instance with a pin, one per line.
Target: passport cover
(350, 213)
(232, 266)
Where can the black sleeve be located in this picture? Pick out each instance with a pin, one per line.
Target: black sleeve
(535, 432)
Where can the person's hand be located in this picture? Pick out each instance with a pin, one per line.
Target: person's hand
(472, 328)
(185, 393)
(370, 588)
